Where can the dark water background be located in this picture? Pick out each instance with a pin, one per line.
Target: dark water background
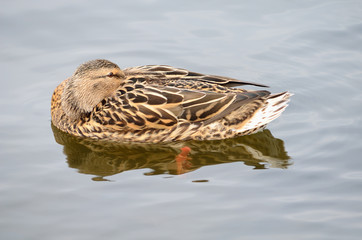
(299, 179)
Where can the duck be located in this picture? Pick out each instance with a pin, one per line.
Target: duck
(159, 104)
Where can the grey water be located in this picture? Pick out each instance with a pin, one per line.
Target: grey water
(301, 178)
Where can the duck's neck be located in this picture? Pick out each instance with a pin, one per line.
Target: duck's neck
(73, 104)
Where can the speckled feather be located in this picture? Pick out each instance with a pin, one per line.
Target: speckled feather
(162, 104)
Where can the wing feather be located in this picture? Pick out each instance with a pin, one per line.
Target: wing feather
(163, 74)
(164, 107)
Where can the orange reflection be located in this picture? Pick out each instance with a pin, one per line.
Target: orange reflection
(182, 160)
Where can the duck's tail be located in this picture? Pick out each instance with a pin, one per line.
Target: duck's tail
(273, 108)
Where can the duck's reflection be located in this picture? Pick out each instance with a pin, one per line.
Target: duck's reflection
(260, 150)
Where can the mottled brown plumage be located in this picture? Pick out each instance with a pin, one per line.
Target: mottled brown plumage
(159, 104)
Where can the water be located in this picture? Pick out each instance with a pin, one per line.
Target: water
(299, 179)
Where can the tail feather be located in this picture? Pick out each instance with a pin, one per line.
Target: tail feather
(275, 105)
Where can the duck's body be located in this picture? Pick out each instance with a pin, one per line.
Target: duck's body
(159, 104)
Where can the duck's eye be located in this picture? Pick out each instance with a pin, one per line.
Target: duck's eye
(111, 74)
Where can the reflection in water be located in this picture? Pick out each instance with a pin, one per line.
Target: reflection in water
(260, 150)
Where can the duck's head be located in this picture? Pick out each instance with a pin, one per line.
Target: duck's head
(92, 82)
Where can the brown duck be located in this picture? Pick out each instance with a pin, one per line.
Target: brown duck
(157, 103)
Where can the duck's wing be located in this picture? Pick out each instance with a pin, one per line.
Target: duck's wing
(140, 106)
(162, 73)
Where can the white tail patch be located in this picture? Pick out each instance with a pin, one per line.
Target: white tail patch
(273, 108)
